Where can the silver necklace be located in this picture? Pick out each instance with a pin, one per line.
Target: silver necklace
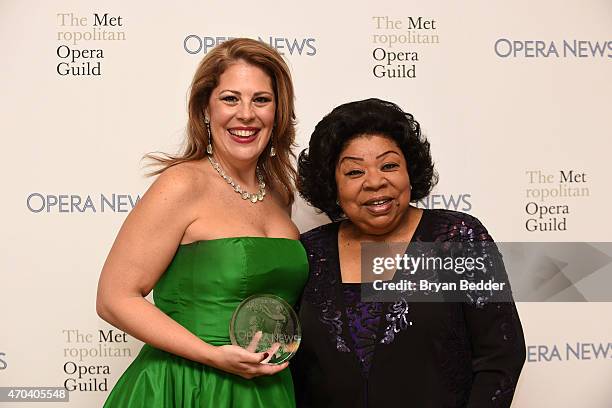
(253, 197)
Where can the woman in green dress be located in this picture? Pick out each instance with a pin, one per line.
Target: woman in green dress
(213, 229)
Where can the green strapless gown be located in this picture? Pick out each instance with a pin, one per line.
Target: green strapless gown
(200, 289)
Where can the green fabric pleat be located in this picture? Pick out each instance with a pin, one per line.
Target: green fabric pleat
(201, 288)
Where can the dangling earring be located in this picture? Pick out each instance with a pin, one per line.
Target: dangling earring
(209, 148)
(272, 149)
(342, 214)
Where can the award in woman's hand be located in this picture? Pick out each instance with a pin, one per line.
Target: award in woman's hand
(266, 323)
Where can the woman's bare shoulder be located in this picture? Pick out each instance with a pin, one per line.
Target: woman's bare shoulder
(185, 180)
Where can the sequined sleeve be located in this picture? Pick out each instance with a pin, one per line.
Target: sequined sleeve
(496, 337)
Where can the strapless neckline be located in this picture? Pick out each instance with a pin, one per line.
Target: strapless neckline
(246, 237)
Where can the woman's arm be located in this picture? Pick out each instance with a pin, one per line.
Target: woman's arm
(141, 253)
(498, 353)
(496, 334)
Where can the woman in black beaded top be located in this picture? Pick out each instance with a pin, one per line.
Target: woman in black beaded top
(366, 162)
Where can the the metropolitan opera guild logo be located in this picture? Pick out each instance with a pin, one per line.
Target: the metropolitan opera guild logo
(398, 44)
(82, 40)
(549, 197)
(86, 356)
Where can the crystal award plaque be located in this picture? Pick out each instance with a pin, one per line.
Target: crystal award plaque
(266, 323)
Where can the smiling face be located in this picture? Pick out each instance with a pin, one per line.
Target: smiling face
(373, 184)
(241, 112)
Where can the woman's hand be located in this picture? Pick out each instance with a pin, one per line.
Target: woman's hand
(245, 363)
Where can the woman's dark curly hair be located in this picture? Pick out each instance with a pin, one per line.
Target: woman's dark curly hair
(316, 181)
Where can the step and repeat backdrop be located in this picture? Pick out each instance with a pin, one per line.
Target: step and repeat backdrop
(514, 98)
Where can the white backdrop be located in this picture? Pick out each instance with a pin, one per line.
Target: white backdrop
(503, 91)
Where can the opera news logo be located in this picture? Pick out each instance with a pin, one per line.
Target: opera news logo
(582, 351)
(455, 202)
(505, 48)
(76, 203)
(305, 46)
(3, 363)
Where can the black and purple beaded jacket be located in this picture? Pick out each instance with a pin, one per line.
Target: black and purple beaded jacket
(402, 354)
